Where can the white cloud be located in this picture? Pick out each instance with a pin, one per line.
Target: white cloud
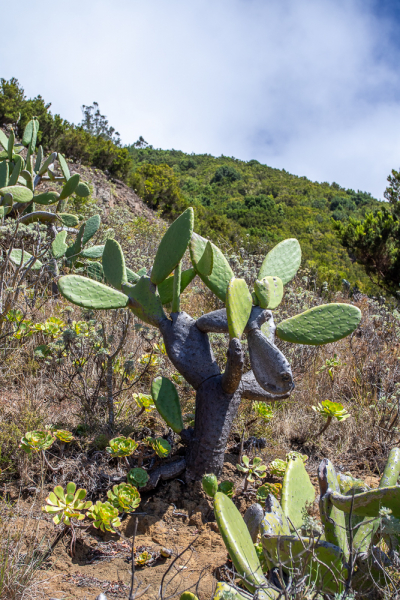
(306, 85)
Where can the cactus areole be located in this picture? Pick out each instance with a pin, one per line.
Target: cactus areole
(218, 394)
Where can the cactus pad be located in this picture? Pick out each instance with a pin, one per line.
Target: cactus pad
(392, 469)
(269, 292)
(221, 274)
(46, 198)
(93, 252)
(58, 246)
(238, 542)
(16, 256)
(297, 492)
(320, 325)
(19, 193)
(64, 167)
(82, 190)
(368, 504)
(113, 262)
(206, 262)
(90, 294)
(167, 402)
(332, 518)
(238, 307)
(70, 187)
(210, 484)
(68, 220)
(173, 246)
(274, 521)
(282, 261)
(144, 302)
(165, 289)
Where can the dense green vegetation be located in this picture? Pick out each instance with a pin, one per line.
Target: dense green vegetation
(244, 204)
(255, 205)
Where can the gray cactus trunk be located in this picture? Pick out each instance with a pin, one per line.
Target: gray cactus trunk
(218, 395)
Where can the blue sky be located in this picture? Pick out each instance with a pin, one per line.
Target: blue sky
(311, 86)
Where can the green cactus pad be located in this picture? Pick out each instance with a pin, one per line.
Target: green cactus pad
(333, 519)
(392, 469)
(173, 246)
(131, 275)
(144, 302)
(49, 161)
(64, 167)
(210, 484)
(368, 504)
(46, 198)
(58, 246)
(95, 271)
(82, 190)
(3, 139)
(224, 591)
(16, 256)
(167, 402)
(28, 133)
(274, 521)
(188, 596)
(165, 289)
(70, 187)
(93, 252)
(39, 158)
(19, 193)
(238, 307)
(4, 174)
(291, 553)
(282, 261)
(206, 262)
(238, 542)
(269, 292)
(113, 262)
(90, 294)
(68, 220)
(14, 177)
(221, 274)
(297, 492)
(90, 228)
(320, 325)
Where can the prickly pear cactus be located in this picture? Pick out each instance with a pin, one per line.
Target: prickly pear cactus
(283, 261)
(210, 484)
(221, 274)
(269, 292)
(238, 307)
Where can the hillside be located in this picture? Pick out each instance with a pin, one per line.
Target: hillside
(257, 206)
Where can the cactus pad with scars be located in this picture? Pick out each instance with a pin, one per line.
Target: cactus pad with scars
(282, 261)
(19, 193)
(392, 469)
(144, 302)
(238, 307)
(90, 294)
(269, 292)
(368, 504)
(332, 519)
(320, 325)
(165, 289)
(167, 402)
(275, 521)
(113, 262)
(297, 492)
(82, 190)
(221, 274)
(173, 246)
(293, 553)
(238, 542)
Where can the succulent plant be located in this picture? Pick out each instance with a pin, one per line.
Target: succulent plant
(186, 340)
(105, 516)
(263, 411)
(143, 559)
(66, 505)
(226, 487)
(121, 447)
(268, 488)
(124, 497)
(278, 467)
(36, 441)
(160, 446)
(144, 401)
(63, 436)
(330, 410)
(252, 470)
(138, 477)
